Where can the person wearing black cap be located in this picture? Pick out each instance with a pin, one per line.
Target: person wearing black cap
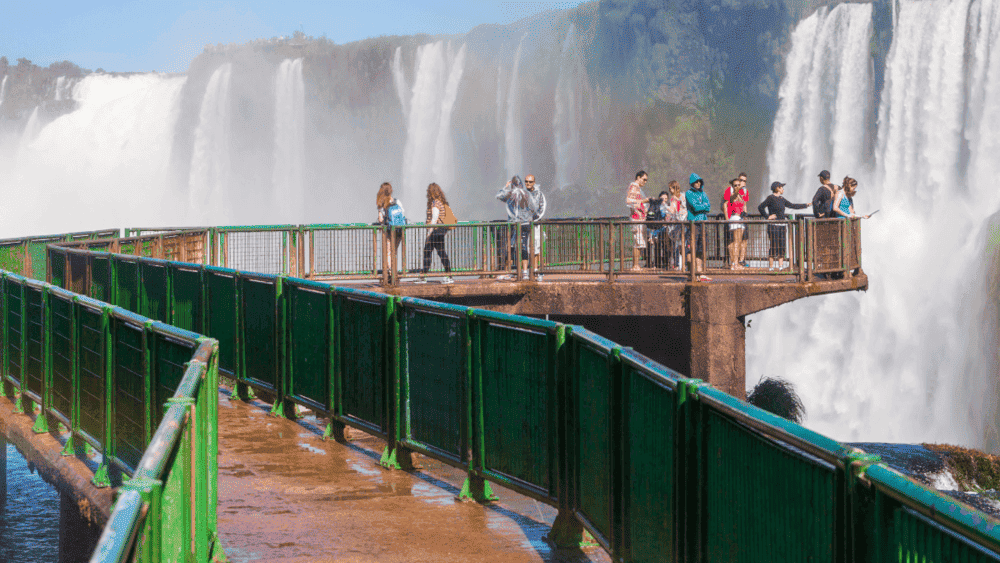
(773, 208)
(822, 202)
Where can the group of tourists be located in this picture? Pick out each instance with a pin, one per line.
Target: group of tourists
(525, 204)
(665, 246)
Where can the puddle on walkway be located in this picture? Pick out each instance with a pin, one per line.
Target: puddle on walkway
(279, 500)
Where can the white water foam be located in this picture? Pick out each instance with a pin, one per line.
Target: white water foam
(566, 123)
(513, 130)
(911, 360)
(209, 189)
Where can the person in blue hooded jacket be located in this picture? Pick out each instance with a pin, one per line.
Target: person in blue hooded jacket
(699, 207)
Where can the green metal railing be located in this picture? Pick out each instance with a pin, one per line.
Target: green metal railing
(138, 391)
(654, 465)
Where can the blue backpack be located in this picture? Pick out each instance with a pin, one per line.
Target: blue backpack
(395, 215)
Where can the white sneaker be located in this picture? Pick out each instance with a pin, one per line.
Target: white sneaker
(524, 274)
(539, 277)
(420, 280)
(447, 279)
(505, 277)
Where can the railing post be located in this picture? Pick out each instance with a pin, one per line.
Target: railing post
(101, 476)
(475, 487)
(41, 425)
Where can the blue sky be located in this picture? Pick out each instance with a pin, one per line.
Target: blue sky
(164, 35)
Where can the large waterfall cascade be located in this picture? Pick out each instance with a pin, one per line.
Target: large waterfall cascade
(209, 184)
(429, 154)
(912, 359)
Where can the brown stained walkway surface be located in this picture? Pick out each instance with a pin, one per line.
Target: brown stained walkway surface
(287, 495)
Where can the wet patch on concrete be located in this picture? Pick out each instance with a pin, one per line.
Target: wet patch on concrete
(281, 501)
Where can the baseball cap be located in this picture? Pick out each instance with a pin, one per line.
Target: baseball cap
(776, 185)
(825, 174)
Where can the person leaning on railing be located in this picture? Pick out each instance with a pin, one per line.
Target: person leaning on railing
(523, 206)
(436, 203)
(773, 208)
(636, 203)
(390, 214)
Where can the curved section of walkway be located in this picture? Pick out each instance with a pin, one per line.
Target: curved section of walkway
(286, 495)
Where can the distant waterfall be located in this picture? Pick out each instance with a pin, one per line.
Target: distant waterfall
(825, 100)
(513, 132)
(60, 86)
(566, 122)
(914, 359)
(210, 161)
(3, 89)
(102, 164)
(429, 154)
(32, 128)
(289, 141)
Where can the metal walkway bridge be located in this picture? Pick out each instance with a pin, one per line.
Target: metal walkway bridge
(654, 466)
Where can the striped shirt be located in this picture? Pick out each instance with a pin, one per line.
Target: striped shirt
(439, 205)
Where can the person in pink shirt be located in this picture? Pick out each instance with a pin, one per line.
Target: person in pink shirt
(636, 203)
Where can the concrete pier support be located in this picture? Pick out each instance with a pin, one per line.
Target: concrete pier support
(718, 345)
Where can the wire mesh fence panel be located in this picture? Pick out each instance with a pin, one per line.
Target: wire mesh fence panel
(264, 252)
(309, 336)
(100, 278)
(13, 292)
(34, 339)
(518, 391)
(61, 353)
(57, 268)
(127, 284)
(153, 290)
(129, 372)
(354, 251)
(466, 248)
(434, 378)
(186, 297)
(91, 367)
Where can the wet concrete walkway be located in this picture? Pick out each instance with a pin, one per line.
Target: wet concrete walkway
(287, 495)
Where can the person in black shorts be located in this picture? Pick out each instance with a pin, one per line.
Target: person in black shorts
(773, 208)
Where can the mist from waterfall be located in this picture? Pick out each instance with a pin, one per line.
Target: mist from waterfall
(429, 153)
(289, 142)
(209, 190)
(911, 360)
(566, 123)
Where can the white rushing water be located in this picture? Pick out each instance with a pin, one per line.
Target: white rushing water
(289, 142)
(429, 154)
(513, 129)
(566, 123)
(911, 360)
(102, 165)
(3, 89)
(209, 182)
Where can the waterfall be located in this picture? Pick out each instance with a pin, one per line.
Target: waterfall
(824, 101)
(513, 132)
(103, 164)
(567, 119)
(399, 80)
(32, 128)
(911, 360)
(3, 89)
(210, 162)
(429, 153)
(60, 85)
(289, 142)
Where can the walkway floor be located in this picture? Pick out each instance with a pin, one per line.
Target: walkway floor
(287, 495)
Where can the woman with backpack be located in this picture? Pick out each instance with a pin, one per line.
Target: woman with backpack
(392, 215)
(437, 203)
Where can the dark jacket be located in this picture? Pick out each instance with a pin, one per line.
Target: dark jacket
(775, 205)
(823, 202)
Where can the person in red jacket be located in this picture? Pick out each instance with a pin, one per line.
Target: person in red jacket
(734, 202)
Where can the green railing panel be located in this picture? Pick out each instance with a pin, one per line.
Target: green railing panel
(169, 358)
(780, 505)
(176, 506)
(129, 370)
(37, 253)
(62, 353)
(433, 378)
(57, 268)
(914, 537)
(363, 358)
(592, 388)
(100, 278)
(650, 477)
(258, 306)
(14, 295)
(78, 280)
(153, 291)
(127, 284)
(186, 296)
(34, 339)
(221, 315)
(92, 337)
(309, 335)
(519, 403)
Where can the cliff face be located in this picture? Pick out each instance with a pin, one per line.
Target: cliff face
(25, 86)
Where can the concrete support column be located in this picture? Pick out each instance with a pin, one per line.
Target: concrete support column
(718, 346)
